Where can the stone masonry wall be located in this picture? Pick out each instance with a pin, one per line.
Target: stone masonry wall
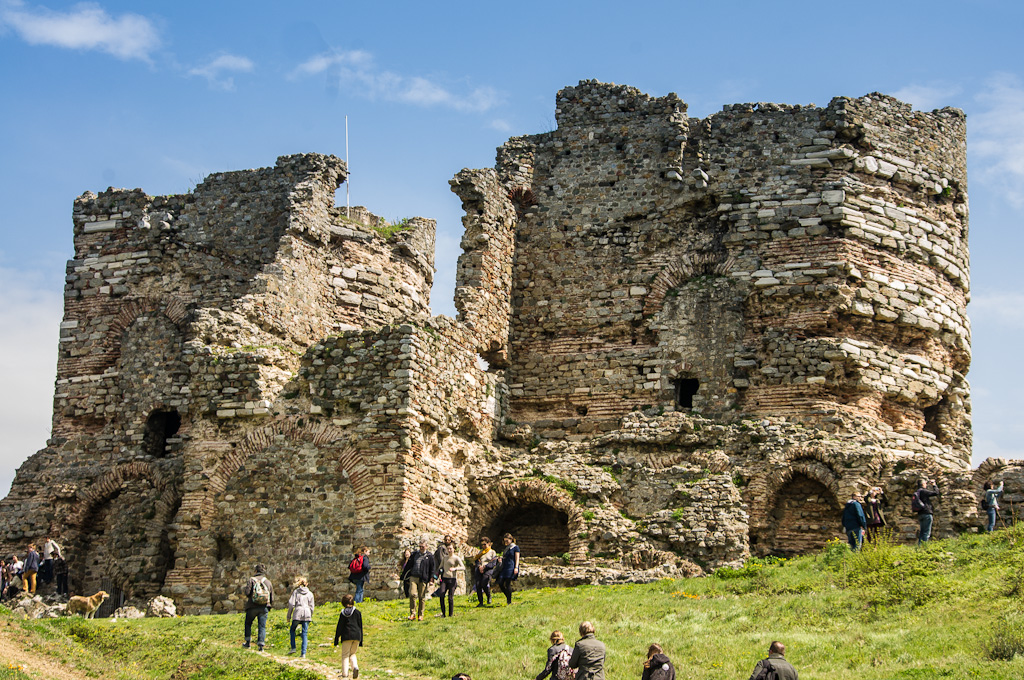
(680, 342)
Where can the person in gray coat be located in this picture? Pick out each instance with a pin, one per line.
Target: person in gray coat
(588, 655)
(300, 613)
(776, 660)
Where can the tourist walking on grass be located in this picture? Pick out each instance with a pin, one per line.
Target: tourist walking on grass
(559, 654)
(509, 569)
(854, 522)
(657, 666)
(30, 569)
(450, 568)
(483, 571)
(588, 655)
(350, 632)
(359, 571)
(421, 577)
(300, 613)
(259, 596)
(990, 503)
(403, 571)
(921, 503)
(873, 509)
(776, 662)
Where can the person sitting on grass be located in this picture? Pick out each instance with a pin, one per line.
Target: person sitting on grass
(350, 632)
(658, 666)
(776, 661)
(588, 655)
(558, 658)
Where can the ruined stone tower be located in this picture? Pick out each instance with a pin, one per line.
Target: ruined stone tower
(679, 342)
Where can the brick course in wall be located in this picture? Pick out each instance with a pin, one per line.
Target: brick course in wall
(679, 342)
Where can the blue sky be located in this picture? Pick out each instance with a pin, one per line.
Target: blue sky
(157, 95)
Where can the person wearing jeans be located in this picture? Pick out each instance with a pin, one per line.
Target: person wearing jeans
(992, 504)
(925, 512)
(257, 610)
(854, 522)
(300, 613)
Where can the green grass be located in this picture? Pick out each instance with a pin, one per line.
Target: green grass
(951, 609)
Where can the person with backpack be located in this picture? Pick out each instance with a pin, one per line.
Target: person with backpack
(921, 504)
(559, 654)
(658, 666)
(990, 504)
(259, 594)
(300, 613)
(60, 573)
(588, 655)
(350, 632)
(775, 667)
(854, 522)
(359, 571)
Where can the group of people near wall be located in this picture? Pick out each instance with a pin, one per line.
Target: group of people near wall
(22, 576)
(419, 570)
(864, 518)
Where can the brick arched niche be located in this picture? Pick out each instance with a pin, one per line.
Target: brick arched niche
(797, 511)
(293, 497)
(119, 534)
(542, 517)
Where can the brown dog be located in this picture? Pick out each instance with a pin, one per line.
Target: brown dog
(86, 606)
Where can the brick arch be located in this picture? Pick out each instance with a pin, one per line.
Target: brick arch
(511, 493)
(105, 488)
(109, 350)
(763, 490)
(350, 462)
(686, 267)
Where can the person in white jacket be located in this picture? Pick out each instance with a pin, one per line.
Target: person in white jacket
(300, 612)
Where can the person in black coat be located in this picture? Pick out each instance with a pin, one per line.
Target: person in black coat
(658, 666)
(350, 632)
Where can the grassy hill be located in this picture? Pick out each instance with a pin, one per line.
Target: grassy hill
(951, 609)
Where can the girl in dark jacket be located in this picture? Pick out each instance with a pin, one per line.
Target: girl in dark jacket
(873, 509)
(658, 666)
(403, 572)
(554, 662)
(350, 632)
(509, 566)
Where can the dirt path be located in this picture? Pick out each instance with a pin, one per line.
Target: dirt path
(14, 649)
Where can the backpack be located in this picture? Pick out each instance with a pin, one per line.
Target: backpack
(260, 592)
(916, 506)
(561, 670)
(985, 505)
(355, 567)
(768, 671)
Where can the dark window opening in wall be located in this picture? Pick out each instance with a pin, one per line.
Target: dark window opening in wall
(160, 426)
(685, 389)
(933, 417)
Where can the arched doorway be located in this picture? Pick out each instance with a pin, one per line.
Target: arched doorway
(805, 514)
(540, 530)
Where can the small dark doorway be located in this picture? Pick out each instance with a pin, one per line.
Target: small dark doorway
(160, 426)
(685, 389)
(540, 530)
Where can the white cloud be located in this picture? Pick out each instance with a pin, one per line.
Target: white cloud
(501, 125)
(85, 26)
(215, 71)
(1004, 309)
(927, 97)
(30, 316)
(996, 134)
(355, 69)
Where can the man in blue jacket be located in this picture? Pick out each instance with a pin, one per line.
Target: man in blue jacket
(854, 522)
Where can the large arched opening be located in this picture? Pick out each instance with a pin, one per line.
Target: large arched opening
(539, 529)
(803, 515)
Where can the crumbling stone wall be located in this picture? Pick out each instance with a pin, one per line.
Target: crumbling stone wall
(679, 342)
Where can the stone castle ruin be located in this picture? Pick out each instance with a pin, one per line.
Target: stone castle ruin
(680, 342)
